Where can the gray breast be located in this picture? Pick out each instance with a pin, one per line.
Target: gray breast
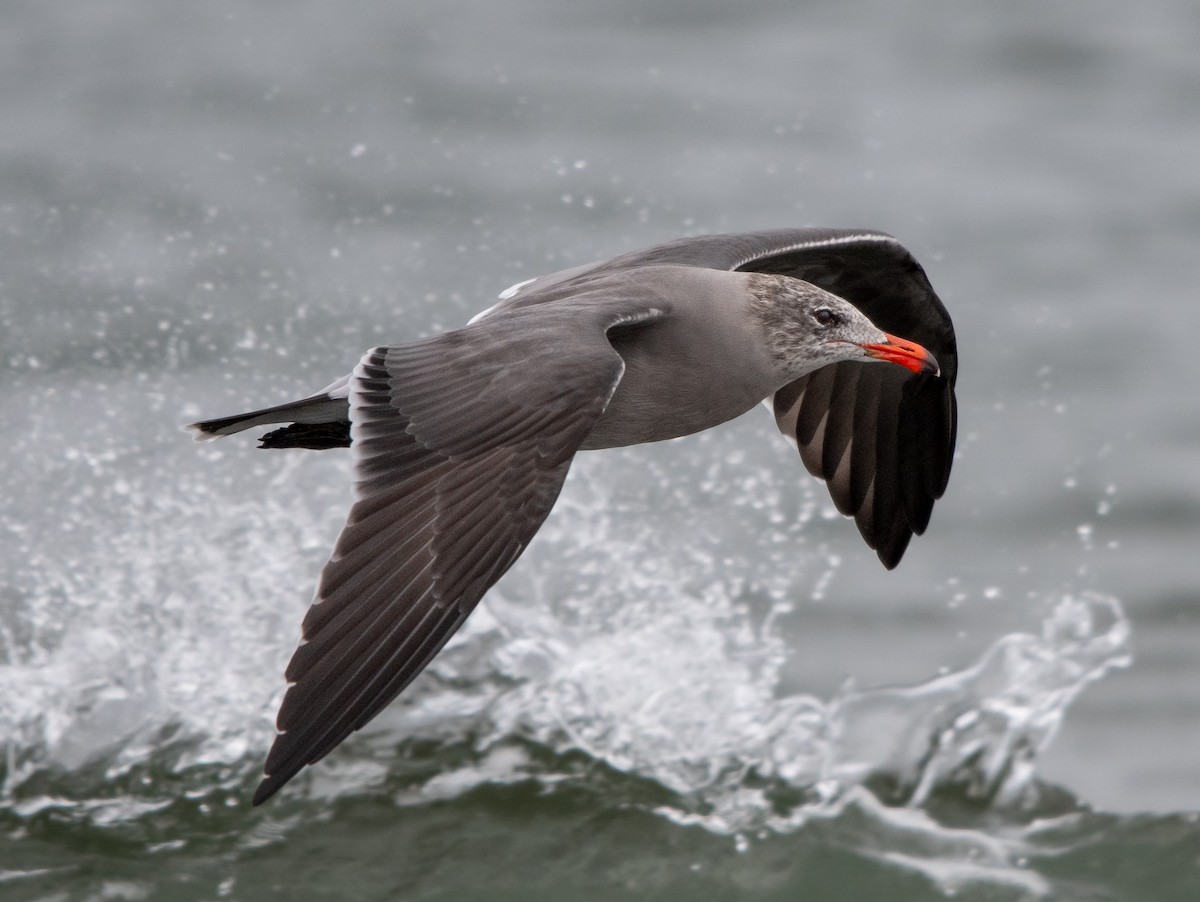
(704, 364)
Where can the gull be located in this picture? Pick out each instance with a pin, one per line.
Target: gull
(462, 441)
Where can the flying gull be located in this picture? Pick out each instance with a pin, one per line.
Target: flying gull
(462, 441)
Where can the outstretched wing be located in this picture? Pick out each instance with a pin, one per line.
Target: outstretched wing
(462, 443)
(882, 438)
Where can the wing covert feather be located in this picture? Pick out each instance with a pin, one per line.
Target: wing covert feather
(462, 446)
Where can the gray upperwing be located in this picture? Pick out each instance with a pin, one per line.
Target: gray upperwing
(539, 286)
(461, 445)
(870, 269)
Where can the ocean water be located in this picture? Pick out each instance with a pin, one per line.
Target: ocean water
(697, 683)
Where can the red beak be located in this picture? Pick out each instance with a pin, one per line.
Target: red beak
(908, 354)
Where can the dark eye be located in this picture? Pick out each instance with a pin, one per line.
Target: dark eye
(825, 316)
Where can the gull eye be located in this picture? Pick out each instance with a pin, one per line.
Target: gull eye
(826, 317)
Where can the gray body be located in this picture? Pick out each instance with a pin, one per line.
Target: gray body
(462, 441)
(713, 345)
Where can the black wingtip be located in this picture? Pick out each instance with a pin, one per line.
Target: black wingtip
(207, 430)
(314, 436)
(889, 559)
(891, 546)
(267, 788)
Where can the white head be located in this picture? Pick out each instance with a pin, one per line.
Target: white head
(808, 328)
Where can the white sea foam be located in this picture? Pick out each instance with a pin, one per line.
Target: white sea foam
(677, 679)
(169, 619)
(631, 635)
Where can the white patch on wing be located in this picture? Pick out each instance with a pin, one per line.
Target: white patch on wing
(354, 388)
(339, 389)
(857, 238)
(478, 316)
(512, 290)
(506, 295)
(631, 318)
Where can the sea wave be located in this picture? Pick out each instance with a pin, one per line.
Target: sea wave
(143, 677)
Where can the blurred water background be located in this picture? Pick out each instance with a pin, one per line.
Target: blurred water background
(697, 683)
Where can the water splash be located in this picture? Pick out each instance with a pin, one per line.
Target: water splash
(159, 632)
(699, 718)
(676, 679)
(983, 727)
(161, 647)
(699, 715)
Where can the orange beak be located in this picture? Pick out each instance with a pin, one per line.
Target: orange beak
(908, 354)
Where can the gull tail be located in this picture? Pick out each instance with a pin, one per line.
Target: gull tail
(319, 422)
